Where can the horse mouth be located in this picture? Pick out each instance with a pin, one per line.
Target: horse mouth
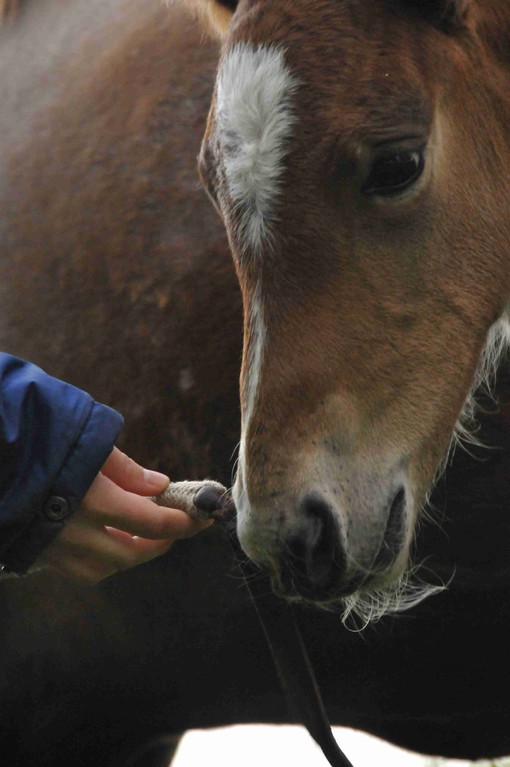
(327, 598)
(337, 586)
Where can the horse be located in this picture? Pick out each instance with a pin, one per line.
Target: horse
(332, 151)
(117, 275)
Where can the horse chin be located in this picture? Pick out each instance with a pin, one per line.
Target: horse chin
(384, 596)
(331, 601)
(377, 596)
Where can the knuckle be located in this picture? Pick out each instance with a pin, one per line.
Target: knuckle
(155, 521)
(160, 527)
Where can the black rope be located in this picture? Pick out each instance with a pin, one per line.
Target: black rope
(289, 654)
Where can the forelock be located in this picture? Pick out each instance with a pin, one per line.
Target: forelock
(255, 120)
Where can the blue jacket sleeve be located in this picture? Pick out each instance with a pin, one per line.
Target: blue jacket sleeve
(54, 439)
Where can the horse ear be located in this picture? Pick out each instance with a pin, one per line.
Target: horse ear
(215, 14)
(447, 15)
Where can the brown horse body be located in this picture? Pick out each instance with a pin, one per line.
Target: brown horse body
(85, 118)
(115, 275)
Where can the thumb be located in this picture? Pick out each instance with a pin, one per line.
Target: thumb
(129, 475)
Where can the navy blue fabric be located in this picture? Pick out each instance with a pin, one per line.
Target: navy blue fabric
(54, 439)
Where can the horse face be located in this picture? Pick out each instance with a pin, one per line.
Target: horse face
(357, 153)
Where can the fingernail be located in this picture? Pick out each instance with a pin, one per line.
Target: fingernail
(155, 478)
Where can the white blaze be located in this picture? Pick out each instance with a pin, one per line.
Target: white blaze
(254, 364)
(254, 121)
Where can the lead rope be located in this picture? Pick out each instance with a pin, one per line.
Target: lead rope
(206, 500)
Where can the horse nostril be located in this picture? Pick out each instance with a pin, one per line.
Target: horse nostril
(314, 556)
(314, 506)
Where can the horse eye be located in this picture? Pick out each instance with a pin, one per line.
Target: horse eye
(393, 172)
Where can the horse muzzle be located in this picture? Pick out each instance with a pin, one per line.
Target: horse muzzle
(324, 553)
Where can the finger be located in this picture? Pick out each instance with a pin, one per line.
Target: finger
(82, 539)
(129, 475)
(86, 570)
(117, 508)
(115, 549)
(144, 549)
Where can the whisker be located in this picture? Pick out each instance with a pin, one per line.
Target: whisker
(467, 426)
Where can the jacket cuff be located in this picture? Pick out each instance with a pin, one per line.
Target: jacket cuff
(83, 463)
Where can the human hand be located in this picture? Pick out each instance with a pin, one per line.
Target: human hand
(115, 527)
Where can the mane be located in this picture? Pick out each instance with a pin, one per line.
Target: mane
(9, 10)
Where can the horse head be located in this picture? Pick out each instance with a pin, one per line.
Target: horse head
(358, 152)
